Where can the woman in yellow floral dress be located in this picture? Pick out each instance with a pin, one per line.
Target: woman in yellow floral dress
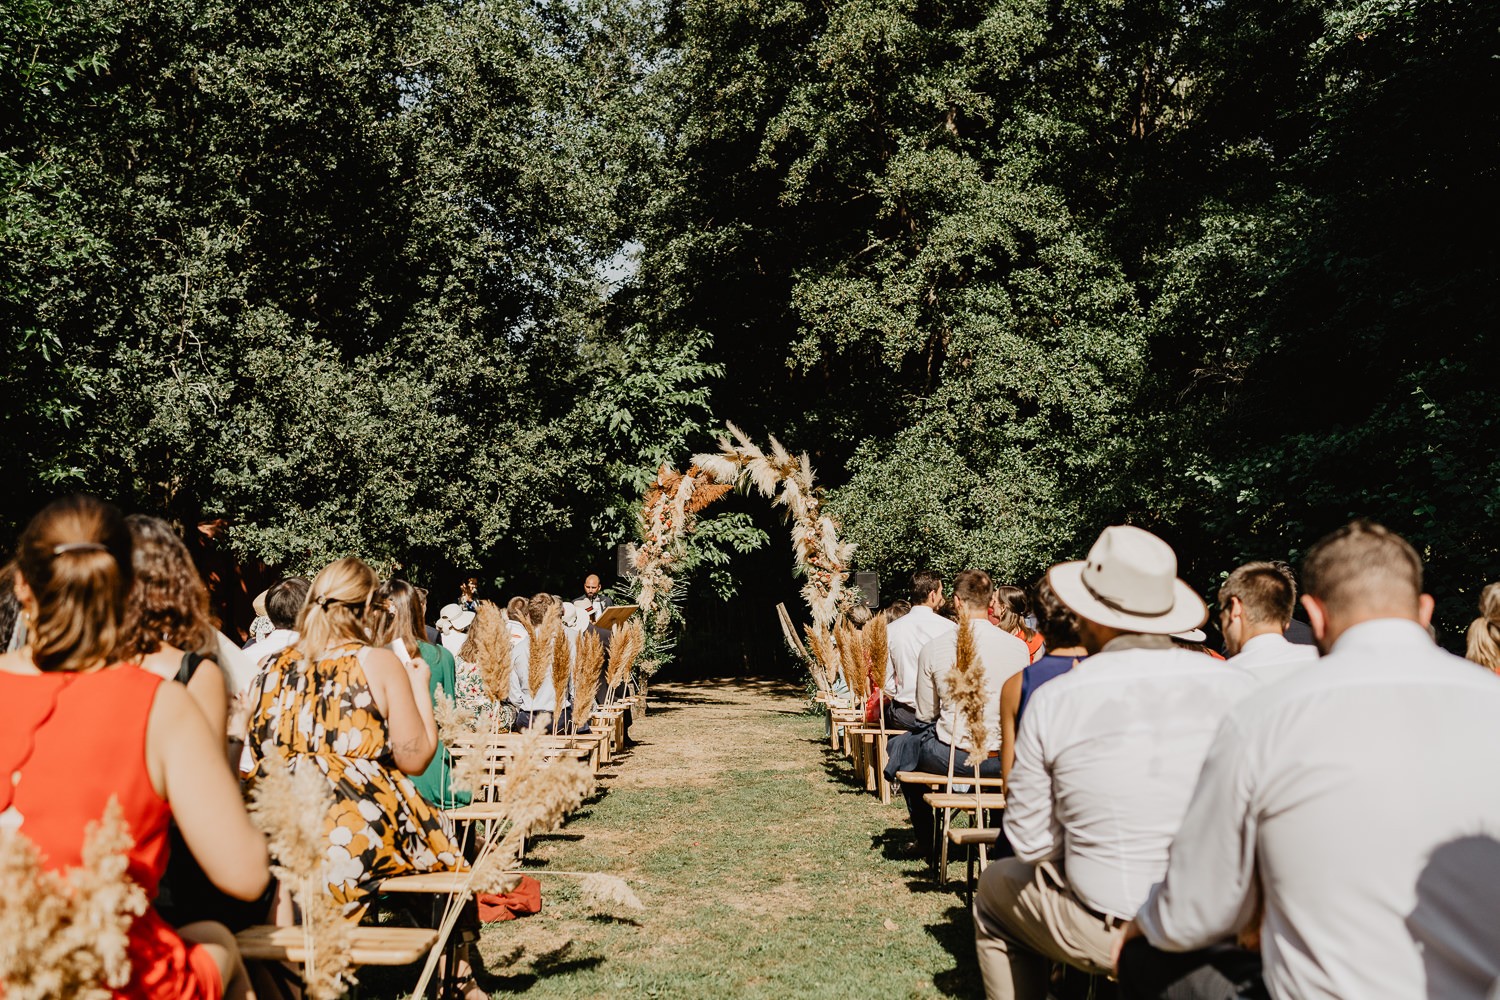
(364, 720)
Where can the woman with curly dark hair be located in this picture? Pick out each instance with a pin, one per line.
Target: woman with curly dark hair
(169, 629)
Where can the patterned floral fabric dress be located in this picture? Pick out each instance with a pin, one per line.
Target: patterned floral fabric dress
(326, 717)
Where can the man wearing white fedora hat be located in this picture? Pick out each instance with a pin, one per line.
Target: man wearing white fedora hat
(1106, 759)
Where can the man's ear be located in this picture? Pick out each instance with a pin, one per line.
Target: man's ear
(1236, 609)
(1317, 616)
(1425, 605)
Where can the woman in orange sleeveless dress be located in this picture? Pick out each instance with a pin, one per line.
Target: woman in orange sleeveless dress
(77, 730)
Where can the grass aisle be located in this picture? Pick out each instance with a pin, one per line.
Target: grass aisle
(764, 871)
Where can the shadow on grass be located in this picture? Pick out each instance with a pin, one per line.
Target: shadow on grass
(548, 963)
(955, 933)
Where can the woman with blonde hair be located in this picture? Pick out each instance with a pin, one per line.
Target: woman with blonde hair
(1484, 631)
(80, 730)
(336, 702)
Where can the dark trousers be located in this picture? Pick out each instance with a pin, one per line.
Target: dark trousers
(899, 716)
(1220, 972)
(559, 723)
(932, 757)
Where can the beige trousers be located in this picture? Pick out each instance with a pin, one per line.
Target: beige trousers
(1025, 917)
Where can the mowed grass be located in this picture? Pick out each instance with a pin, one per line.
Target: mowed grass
(764, 872)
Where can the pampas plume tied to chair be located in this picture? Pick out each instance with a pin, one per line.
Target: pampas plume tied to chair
(67, 933)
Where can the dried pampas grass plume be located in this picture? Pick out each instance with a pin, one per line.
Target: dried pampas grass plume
(877, 648)
(966, 689)
(539, 661)
(852, 660)
(590, 666)
(488, 648)
(562, 662)
(68, 934)
(454, 722)
(825, 658)
(607, 893)
(535, 795)
(290, 806)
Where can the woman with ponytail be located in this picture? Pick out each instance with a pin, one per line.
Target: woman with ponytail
(1484, 631)
(79, 730)
(335, 701)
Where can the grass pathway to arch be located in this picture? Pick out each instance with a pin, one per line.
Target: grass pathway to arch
(765, 874)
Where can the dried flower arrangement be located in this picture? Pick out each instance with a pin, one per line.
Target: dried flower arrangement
(825, 658)
(586, 676)
(67, 934)
(290, 807)
(562, 663)
(852, 660)
(966, 690)
(534, 795)
(539, 665)
(821, 557)
(488, 648)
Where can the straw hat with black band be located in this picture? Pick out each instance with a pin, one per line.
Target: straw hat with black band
(1129, 582)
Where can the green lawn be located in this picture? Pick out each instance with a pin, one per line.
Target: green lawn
(764, 872)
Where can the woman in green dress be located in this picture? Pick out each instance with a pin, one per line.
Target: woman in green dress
(399, 615)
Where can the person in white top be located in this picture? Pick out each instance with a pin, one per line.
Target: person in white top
(284, 602)
(1354, 806)
(905, 638)
(531, 706)
(1106, 758)
(1255, 608)
(944, 736)
(453, 627)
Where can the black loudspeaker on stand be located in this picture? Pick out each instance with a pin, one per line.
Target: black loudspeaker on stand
(869, 585)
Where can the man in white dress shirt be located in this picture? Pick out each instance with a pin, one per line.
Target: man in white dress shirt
(1001, 655)
(905, 638)
(1356, 804)
(1106, 759)
(1255, 608)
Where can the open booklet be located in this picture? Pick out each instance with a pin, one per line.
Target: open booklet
(618, 615)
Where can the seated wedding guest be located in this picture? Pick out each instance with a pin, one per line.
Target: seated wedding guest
(1483, 645)
(284, 602)
(1106, 757)
(372, 726)
(430, 632)
(896, 609)
(169, 629)
(1059, 629)
(905, 638)
(1255, 608)
(534, 704)
(169, 632)
(1356, 805)
(260, 626)
(1009, 611)
(79, 730)
(930, 749)
(453, 627)
(397, 616)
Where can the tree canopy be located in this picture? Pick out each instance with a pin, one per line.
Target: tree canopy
(444, 284)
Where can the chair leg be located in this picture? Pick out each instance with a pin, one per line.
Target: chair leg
(881, 743)
(943, 849)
